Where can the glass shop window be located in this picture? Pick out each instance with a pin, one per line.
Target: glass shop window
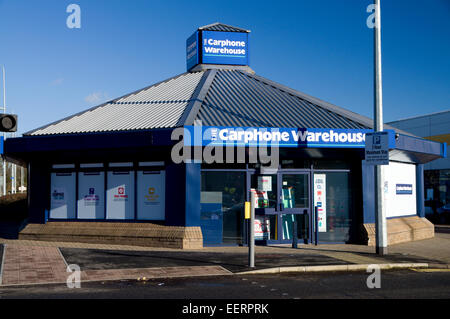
(222, 207)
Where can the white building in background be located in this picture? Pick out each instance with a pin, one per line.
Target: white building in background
(436, 127)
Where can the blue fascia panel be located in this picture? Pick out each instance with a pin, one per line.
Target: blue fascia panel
(420, 145)
(88, 141)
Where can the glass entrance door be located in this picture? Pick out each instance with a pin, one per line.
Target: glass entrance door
(285, 202)
(294, 206)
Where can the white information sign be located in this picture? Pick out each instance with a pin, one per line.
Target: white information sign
(91, 195)
(262, 228)
(120, 195)
(400, 199)
(265, 183)
(320, 200)
(62, 202)
(151, 195)
(377, 148)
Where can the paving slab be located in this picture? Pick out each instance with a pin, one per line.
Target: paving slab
(25, 265)
(32, 265)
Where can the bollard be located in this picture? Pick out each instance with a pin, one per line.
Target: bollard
(305, 228)
(316, 228)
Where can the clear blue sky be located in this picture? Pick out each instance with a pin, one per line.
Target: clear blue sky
(321, 47)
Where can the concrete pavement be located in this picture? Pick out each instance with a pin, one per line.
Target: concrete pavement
(35, 262)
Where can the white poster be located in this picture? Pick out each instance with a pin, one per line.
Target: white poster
(320, 200)
(261, 198)
(62, 196)
(151, 195)
(400, 196)
(262, 228)
(91, 198)
(120, 195)
(265, 183)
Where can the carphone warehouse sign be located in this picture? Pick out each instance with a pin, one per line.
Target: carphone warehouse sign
(278, 137)
(225, 48)
(217, 47)
(192, 56)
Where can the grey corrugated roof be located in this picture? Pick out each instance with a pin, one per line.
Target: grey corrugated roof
(222, 27)
(217, 98)
(158, 106)
(236, 98)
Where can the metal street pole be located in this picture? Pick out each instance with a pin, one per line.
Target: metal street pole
(251, 243)
(21, 179)
(13, 175)
(4, 134)
(380, 213)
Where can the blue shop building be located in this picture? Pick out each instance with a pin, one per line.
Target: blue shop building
(108, 174)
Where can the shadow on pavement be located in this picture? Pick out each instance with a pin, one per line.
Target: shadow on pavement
(95, 259)
(390, 258)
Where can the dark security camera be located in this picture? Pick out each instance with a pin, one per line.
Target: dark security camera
(8, 123)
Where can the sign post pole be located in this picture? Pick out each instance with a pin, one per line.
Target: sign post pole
(380, 218)
(4, 134)
(251, 242)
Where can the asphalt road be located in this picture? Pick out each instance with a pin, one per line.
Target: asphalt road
(339, 285)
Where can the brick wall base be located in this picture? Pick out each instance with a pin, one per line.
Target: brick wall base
(136, 234)
(401, 230)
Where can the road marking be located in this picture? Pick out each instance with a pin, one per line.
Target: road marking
(431, 270)
(60, 253)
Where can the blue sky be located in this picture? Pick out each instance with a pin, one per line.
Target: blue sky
(322, 48)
